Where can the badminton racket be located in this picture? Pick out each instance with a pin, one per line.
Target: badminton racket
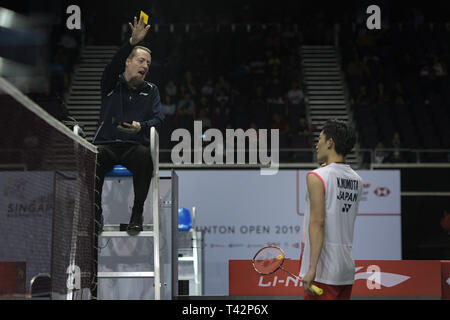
(270, 259)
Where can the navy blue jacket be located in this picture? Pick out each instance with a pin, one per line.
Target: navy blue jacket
(120, 103)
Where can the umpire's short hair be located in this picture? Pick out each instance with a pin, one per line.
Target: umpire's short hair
(343, 135)
(133, 52)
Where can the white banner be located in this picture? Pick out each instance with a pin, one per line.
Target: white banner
(26, 208)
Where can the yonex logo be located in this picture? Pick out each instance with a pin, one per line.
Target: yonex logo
(346, 207)
(382, 192)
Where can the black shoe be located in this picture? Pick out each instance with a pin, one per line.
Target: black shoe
(135, 225)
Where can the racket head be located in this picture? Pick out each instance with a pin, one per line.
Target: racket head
(268, 259)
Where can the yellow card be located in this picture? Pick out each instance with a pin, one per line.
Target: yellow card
(144, 17)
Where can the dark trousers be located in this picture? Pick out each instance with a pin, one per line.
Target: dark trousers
(137, 159)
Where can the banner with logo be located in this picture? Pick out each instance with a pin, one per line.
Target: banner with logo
(26, 208)
(373, 278)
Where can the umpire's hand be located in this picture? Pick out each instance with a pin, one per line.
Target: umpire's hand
(138, 31)
(126, 127)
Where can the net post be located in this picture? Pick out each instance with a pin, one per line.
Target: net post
(154, 150)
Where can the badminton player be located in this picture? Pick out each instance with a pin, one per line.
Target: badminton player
(333, 195)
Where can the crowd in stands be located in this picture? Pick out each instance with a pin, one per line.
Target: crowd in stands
(254, 83)
(399, 87)
(245, 72)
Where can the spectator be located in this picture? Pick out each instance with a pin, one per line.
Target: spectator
(242, 70)
(362, 97)
(399, 96)
(425, 70)
(168, 108)
(189, 83)
(396, 157)
(357, 73)
(381, 96)
(171, 89)
(275, 94)
(304, 131)
(185, 112)
(396, 144)
(380, 155)
(222, 86)
(295, 95)
(356, 68)
(240, 115)
(273, 64)
(302, 139)
(204, 111)
(222, 96)
(208, 89)
(258, 108)
(221, 115)
(278, 122)
(203, 116)
(438, 67)
(396, 141)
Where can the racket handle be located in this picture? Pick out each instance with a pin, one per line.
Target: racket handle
(316, 289)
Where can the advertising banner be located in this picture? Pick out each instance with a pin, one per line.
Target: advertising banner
(373, 278)
(26, 209)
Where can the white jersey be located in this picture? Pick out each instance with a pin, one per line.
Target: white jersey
(343, 191)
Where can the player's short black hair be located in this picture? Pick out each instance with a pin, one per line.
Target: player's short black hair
(342, 134)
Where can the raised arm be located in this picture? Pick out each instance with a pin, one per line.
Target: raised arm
(117, 64)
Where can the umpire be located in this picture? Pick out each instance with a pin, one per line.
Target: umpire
(130, 106)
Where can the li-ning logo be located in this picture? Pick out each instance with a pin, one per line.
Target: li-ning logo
(346, 207)
(288, 281)
(382, 192)
(375, 278)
